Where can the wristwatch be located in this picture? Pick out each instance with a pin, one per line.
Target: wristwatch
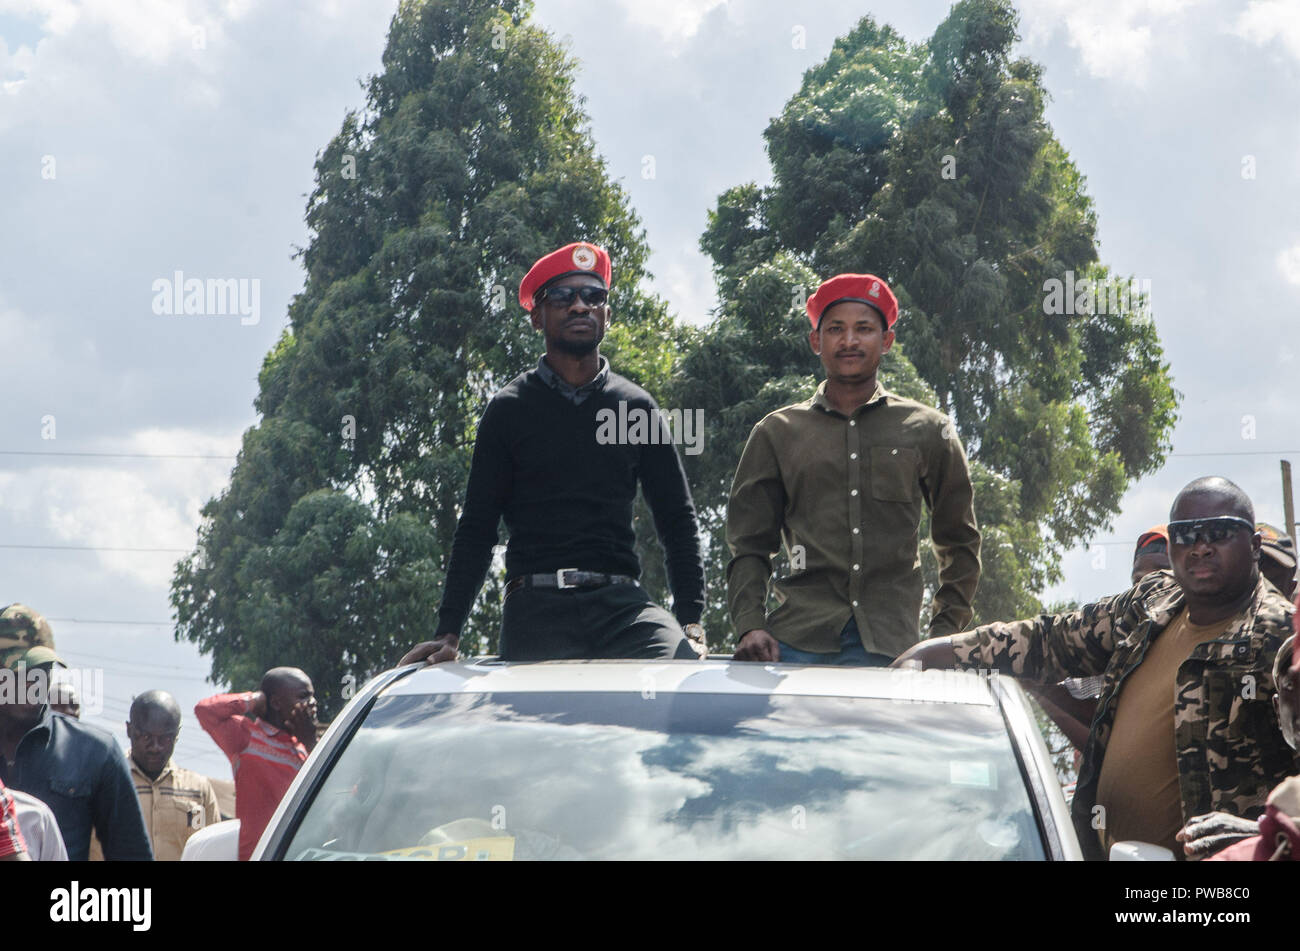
(695, 634)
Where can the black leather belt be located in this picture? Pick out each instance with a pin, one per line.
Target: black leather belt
(567, 578)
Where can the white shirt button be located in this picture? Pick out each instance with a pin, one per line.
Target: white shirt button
(857, 531)
(894, 452)
(853, 455)
(853, 422)
(854, 492)
(857, 567)
(855, 604)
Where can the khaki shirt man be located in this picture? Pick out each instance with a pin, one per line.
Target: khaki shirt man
(175, 802)
(840, 481)
(176, 805)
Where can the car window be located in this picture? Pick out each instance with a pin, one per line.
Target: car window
(671, 776)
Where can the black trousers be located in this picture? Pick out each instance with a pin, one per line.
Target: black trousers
(612, 621)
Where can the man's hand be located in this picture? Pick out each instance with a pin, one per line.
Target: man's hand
(1071, 715)
(936, 653)
(302, 721)
(1214, 831)
(695, 637)
(439, 650)
(758, 645)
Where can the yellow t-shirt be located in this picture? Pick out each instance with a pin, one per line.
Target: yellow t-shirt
(1138, 785)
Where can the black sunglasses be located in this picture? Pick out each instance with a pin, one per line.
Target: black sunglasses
(563, 296)
(1211, 529)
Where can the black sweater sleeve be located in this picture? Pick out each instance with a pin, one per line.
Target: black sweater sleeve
(663, 480)
(490, 480)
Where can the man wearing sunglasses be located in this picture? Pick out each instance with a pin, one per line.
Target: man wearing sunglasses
(1185, 724)
(567, 496)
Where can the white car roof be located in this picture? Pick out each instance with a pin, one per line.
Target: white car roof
(687, 676)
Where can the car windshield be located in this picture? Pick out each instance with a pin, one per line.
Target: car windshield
(623, 775)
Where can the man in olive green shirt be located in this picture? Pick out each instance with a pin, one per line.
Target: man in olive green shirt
(839, 479)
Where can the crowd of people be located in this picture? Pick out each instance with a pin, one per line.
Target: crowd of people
(68, 792)
(1180, 693)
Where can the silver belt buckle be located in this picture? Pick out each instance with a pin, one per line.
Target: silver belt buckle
(559, 579)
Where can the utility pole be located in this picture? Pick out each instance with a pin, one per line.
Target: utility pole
(1288, 503)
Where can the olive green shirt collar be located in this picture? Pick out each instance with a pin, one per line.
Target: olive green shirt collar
(820, 401)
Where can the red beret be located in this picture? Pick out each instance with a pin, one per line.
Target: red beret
(865, 288)
(577, 258)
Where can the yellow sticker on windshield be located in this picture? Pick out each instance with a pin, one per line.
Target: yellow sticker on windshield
(495, 849)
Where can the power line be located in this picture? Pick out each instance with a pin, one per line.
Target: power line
(92, 548)
(1239, 452)
(113, 455)
(141, 669)
(120, 660)
(74, 620)
(132, 671)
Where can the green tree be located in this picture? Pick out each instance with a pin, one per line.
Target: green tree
(471, 159)
(931, 165)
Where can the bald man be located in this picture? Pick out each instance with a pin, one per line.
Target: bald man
(1185, 723)
(176, 802)
(267, 735)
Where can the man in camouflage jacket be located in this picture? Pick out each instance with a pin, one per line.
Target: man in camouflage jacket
(1229, 749)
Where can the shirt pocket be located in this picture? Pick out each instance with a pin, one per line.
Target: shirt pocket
(1240, 724)
(191, 813)
(895, 473)
(73, 787)
(69, 797)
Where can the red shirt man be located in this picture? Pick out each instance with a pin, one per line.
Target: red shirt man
(267, 735)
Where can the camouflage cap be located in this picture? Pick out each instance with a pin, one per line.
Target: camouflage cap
(25, 638)
(1276, 545)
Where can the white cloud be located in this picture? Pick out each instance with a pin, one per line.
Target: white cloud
(682, 276)
(1113, 37)
(56, 16)
(1266, 20)
(1288, 262)
(15, 66)
(122, 503)
(152, 31)
(674, 20)
(20, 333)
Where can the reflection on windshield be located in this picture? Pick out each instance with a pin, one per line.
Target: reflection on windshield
(671, 776)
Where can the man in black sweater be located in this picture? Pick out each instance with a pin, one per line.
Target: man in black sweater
(549, 460)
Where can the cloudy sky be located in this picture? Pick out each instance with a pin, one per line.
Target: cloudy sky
(139, 138)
